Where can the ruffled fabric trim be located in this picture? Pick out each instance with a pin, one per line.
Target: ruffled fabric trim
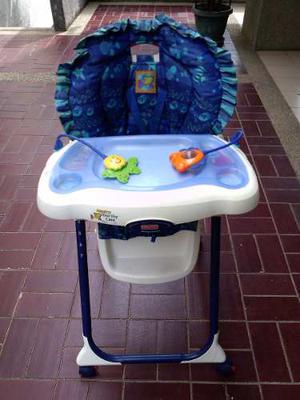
(62, 93)
(222, 56)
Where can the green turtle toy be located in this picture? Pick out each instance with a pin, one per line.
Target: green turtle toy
(117, 167)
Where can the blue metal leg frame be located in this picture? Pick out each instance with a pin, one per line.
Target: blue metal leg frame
(149, 358)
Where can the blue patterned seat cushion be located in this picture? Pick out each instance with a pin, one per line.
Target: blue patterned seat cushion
(196, 82)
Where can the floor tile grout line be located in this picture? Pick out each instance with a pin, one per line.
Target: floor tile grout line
(102, 295)
(191, 388)
(187, 297)
(10, 323)
(88, 390)
(262, 321)
(294, 214)
(17, 302)
(127, 319)
(54, 392)
(274, 165)
(284, 352)
(145, 381)
(69, 319)
(244, 305)
(123, 386)
(271, 295)
(60, 245)
(32, 349)
(50, 293)
(64, 346)
(227, 395)
(259, 253)
(282, 190)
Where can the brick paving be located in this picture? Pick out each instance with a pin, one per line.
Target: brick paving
(40, 311)
(107, 14)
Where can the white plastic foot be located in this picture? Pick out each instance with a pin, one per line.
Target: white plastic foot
(87, 357)
(215, 354)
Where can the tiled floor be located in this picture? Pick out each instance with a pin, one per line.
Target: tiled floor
(39, 307)
(107, 14)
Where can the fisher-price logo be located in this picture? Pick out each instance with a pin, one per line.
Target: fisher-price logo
(150, 227)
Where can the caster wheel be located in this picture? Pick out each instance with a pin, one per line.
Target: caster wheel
(87, 372)
(225, 368)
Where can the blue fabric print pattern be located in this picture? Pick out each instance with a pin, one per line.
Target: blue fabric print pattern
(196, 82)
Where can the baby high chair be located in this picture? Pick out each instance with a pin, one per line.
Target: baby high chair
(155, 121)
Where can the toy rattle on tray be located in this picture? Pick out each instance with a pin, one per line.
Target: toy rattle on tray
(192, 157)
(116, 167)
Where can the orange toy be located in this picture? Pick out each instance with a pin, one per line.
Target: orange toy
(184, 159)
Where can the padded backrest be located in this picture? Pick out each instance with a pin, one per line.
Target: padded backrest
(196, 82)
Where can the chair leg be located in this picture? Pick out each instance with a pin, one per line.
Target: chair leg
(83, 278)
(215, 248)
